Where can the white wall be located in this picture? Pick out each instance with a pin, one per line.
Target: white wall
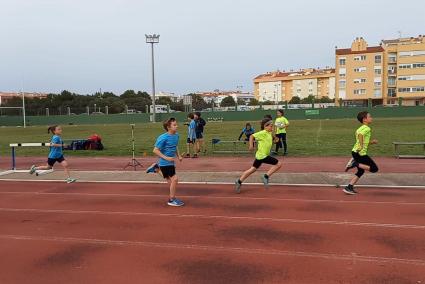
(270, 91)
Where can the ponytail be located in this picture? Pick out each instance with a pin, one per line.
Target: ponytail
(52, 129)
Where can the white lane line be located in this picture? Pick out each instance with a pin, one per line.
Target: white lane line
(224, 217)
(350, 257)
(220, 183)
(208, 197)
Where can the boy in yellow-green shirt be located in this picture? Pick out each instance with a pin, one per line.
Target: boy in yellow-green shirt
(281, 123)
(264, 140)
(360, 159)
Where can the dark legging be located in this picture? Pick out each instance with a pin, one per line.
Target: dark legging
(365, 160)
(282, 142)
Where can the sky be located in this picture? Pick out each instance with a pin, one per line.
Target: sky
(87, 45)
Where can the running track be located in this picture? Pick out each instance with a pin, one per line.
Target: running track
(124, 233)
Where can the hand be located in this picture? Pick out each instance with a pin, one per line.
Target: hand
(374, 141)
(180, 157)
(276, 140)
(170, 159)
(251, 148)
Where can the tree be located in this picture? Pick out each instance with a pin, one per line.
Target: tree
(326, 100)
(254, 102)
(308, 100)
(295, 100)
(177, 106)
(241, 102)
(164, 101)
(198, 102)
(268, 103)
(228, 101)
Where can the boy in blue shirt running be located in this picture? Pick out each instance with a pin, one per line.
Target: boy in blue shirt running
(191, 136)
(55, 154)
(167, 151)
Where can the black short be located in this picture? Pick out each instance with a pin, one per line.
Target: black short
(191, 141)
(267, 160)
(168, 171)
(365, 160)
(52, 161)
(199, 135)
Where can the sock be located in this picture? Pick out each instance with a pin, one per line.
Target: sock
(266, 176)
(239, 181)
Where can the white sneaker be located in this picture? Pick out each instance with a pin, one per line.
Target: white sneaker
(70, 180)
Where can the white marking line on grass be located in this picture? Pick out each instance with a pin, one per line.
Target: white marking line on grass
(198, 216)
(219, 183)
(241, 250)
(318, 132)
(210, 197)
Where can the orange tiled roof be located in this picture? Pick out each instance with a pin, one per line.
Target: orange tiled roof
(346, 51)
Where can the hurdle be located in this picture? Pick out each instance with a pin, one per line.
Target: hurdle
(14, 169)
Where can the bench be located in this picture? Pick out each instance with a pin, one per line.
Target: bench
(397, 150)
(233, 146)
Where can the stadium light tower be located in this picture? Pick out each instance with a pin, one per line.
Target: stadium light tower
(152, 39)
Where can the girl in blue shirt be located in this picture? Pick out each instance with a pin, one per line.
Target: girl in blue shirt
(55, 154)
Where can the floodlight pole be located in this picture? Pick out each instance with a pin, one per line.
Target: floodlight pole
(23, 109)
(152, 39)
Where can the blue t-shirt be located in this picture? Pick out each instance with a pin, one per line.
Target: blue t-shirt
(56, 152)
(167, 144)
(191, 134)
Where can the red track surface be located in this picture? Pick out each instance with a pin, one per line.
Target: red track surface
(124, 233)
(225, 164)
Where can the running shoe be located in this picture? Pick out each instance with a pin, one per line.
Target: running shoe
(351, 164)
(349, 190)
(237, 187)
(265, 181)
(152, 169)
(175, 202)
(32, 169)
(70, 180)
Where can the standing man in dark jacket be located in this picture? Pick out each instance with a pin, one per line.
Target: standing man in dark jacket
(200, 124)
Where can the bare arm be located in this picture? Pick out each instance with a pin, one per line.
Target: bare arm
(361, 141)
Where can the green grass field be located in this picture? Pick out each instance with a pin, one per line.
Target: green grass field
(305, 137)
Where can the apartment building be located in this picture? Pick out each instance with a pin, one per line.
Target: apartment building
(359, 74)
(404, 73)
(282, 86)
(382, 75)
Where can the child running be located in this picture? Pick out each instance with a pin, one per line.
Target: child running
(264, 140)
(191, 136)
(360, 159)
(55, 154)
(248, 130)
(166, 149)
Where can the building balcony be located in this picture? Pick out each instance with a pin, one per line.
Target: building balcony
(392, 60)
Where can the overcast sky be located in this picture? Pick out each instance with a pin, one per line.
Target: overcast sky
(85, 45)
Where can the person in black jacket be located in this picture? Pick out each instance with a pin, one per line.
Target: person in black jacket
(200, 124)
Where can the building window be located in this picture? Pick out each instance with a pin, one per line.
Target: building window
(411, 89)
(378, 59)
(377, 84)
(392, 93)
(342, 84)
(411, 78)
(377, 93)
(342, 61)
(360, 69)
(360, 91)
(413, 65)
(358, 81)
(412, 53)
(391, 81)
(360, 58)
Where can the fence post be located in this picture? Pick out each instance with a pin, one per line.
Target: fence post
(68, 109)
(47, 111)
(106, 110)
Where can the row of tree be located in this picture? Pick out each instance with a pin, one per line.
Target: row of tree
(130, 99)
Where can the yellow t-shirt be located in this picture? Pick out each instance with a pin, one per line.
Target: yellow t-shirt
(366, 132)
(264, 141)
(280, 123)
